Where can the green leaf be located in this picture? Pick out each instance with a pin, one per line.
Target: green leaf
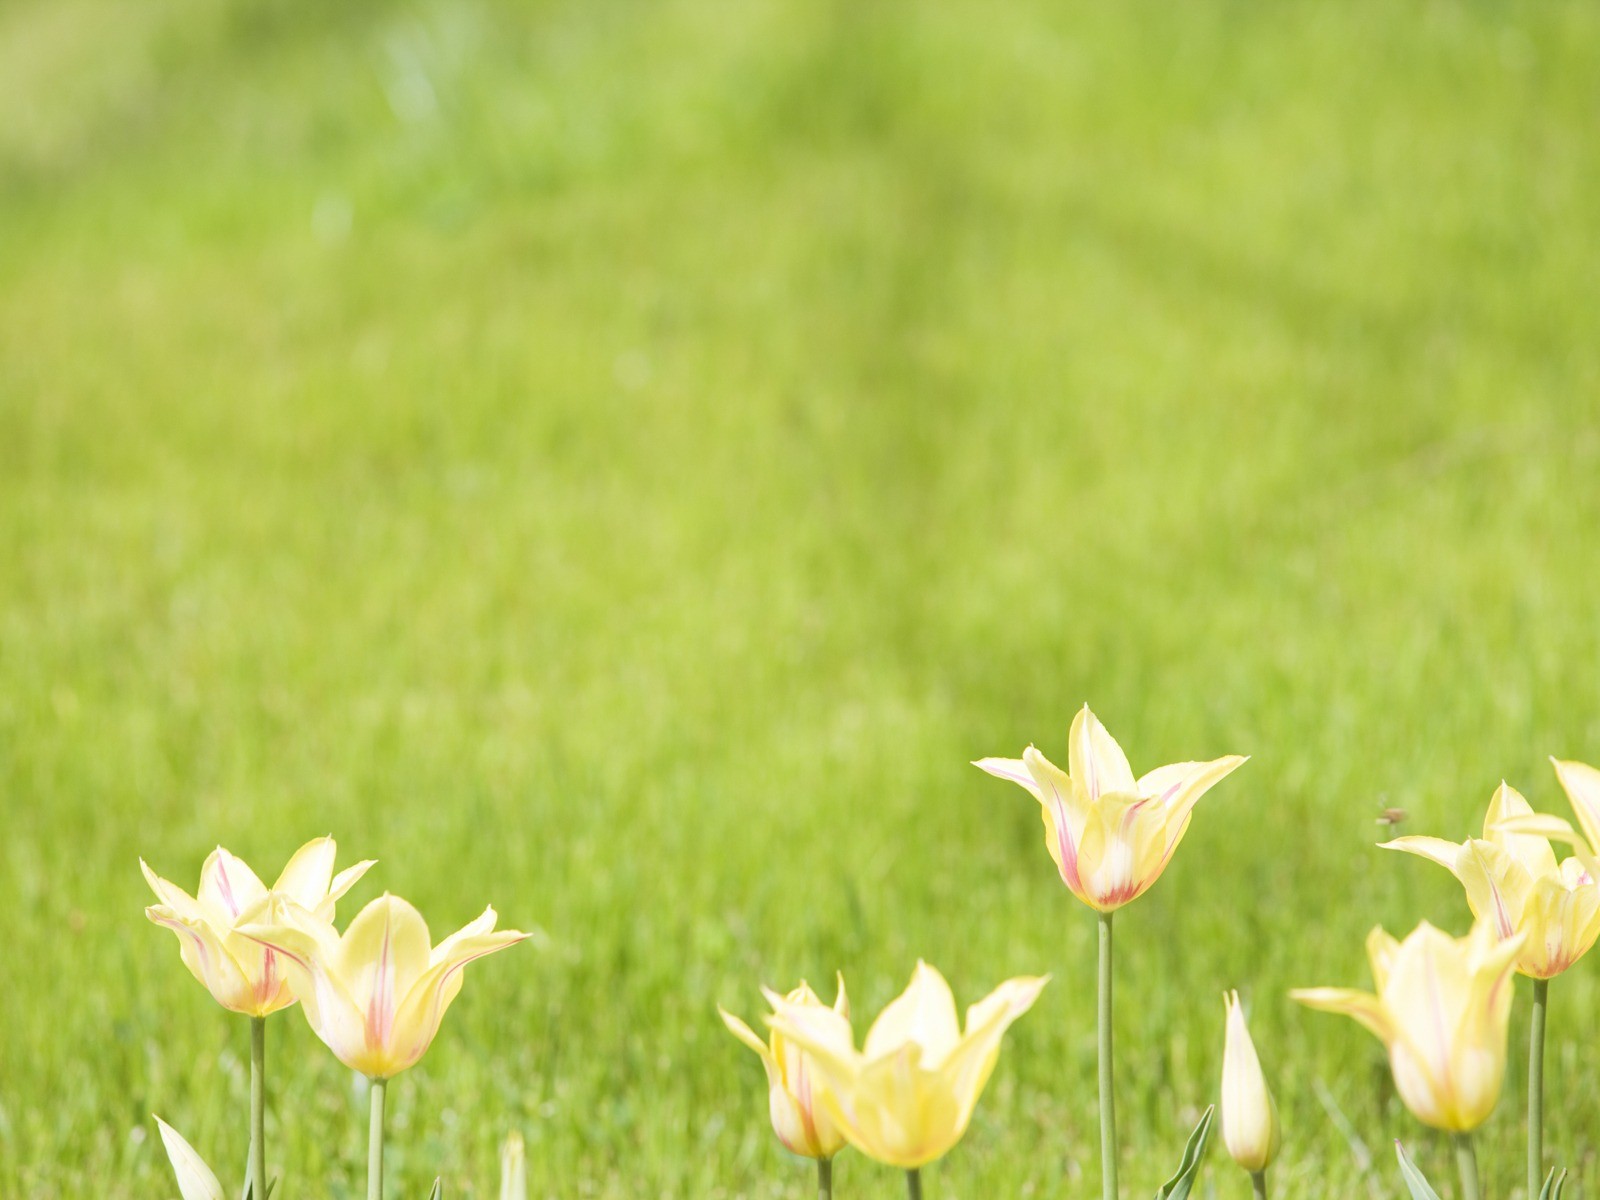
(438, 1190)
(1553, 1184)
(1420, 1190)
(1177, 1188)
(196, 1181)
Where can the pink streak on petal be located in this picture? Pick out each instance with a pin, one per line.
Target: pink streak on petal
(380, 1005)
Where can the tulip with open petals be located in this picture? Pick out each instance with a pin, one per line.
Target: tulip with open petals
(1513, 879)
(376, 995)
(1249, 1115)
(1111, 835)
(1441, 1010)
(794, 1092)
(905, 1098)
(240, 973)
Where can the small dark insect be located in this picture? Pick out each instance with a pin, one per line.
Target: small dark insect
(1391, 816)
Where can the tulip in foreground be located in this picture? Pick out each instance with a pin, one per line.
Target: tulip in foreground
(906, 1097)
(1110, 836)
(241, 974)
(376, 995)
(793, 1090)
(1441, 1010)
(1512, 878)
(1249, 1114)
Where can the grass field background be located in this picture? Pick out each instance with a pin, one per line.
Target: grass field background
(620, 461)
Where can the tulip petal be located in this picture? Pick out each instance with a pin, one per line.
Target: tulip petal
(383, 953)
(1065, 814)
(1013, 769)
(923, 1015)
(196, 1181)
(228, 884)
(748, 1036)
(1366, 1008)
(306, 876)
(972, 1062)
(1531, 850)
(1094, 759)
(170, 894)
(820, 1032)
(424, 1005)
(346, 879)
(1433, 849)
(1581, 782)
(207, 958)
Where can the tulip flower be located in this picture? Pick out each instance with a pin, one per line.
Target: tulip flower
(1514, 880)
(1110, 836)
(376, 995)
(906, 1097)
(1249, 1114)
(513, 1169)
(241, 974)
(1441, 1010)
(793, 1090)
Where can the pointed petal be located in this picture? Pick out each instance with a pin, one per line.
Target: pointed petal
(1363, 1006)
(1531, 850)
(1581, 782)
(841, 999)
(228, 884)
(382, 954)
(1431, 848)
(306, 877)
(346, 879)
(1013, 769)
(969, 1066)
(169, 893)
(924, 1014)
(424, 1005)
(748, 1036)
(1094, 759)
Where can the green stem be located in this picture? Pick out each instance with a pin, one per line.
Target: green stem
(375, 1143)
(1108, 1111)
(914, 1183)
(1541, 999)
(1258, 1184)
(256, 1176)
(1467, 1165)
(824, 1179)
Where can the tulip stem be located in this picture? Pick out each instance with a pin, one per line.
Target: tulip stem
(914, 1183)
(1108, 1112)
(1258, 1184)
(1541, 1000)
(824, 1179)
(1467, 1165)
(256, 1174)
(375, 1143)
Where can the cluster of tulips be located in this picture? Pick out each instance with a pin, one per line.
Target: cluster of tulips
(1441, 1005)
(374, 995)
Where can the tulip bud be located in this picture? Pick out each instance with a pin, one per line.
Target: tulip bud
(1249, 1115)
(513, 1172)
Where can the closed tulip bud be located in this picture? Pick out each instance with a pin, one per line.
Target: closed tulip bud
(907, 1096)
(1441, 1010)
(241, 974)
(1513, 880)
(794, 1092)
(1109, 834)
(513, 1169)
(376, 995)
(1249, 1114)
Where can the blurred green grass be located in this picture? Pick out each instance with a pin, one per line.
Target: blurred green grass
(620, 461)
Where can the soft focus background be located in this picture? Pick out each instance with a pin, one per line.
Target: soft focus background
(620, 461)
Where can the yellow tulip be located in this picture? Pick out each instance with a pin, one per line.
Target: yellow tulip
(1110, 835)
(376, 995)
(241, 974)
(1512, 878)
(1441, 1010)
(1249, 1114)
(793, 1090)
(907, 1096)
